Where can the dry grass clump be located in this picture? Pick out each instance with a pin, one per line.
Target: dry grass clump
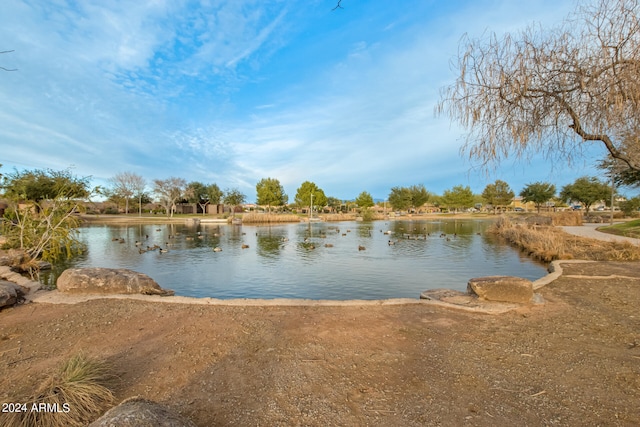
(339, 217)
(549, 243)
(74, 396)
(266, 218)
(567, 218)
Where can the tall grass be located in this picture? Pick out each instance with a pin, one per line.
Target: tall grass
(338, 217)
(549, 243)
(566, 218)
(266, 218)
(74, 396)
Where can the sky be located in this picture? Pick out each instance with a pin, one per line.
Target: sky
(230, 92)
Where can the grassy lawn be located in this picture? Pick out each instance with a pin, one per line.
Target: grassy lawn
(629, 228)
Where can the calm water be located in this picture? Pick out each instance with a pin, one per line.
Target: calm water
(280, 262)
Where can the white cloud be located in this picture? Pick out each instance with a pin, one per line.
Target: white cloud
(200, 90)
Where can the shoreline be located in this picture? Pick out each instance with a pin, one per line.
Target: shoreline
(462, 302)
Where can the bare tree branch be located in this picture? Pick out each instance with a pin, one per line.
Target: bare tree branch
(7, 69)
(552, 90)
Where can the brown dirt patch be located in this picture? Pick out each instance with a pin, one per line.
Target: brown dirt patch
(573, 361)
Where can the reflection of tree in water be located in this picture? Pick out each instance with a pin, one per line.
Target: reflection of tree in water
(365, 230)
(270, 241)
(269, 245)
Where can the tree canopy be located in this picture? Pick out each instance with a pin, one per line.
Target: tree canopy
(203, 194)
(271, 193)
(458, 197)
(233, 197)
(586, 190)
(498, 194)
(42, 184)
(538, 193)
(552, 90)
(364, 200)
(403, 198)
(303, 195)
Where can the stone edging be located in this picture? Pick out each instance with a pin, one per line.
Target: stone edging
(485, 307)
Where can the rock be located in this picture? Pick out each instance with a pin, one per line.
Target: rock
(10, 294)
(108, 281)
(138, 412)
(502, 288)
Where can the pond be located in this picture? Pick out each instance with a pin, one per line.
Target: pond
(335, 261)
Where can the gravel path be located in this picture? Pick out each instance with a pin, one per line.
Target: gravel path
(589, 230)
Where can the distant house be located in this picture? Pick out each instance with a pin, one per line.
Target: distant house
(518, 204)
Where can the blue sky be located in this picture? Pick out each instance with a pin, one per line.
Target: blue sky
(235, 91)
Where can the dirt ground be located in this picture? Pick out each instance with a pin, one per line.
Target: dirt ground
(573, 361)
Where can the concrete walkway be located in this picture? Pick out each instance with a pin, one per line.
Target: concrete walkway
(589, 230)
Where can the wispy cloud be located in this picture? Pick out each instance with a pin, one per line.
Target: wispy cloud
(235, 91)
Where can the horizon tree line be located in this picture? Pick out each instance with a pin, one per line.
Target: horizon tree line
(38, 185)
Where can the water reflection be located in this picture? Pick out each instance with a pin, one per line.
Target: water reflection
(351, 260)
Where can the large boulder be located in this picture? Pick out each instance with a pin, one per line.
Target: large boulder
(502, 288)
(138, 412)
(10, 293)
(108, 281)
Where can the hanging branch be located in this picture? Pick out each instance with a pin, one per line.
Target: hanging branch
(15, 69)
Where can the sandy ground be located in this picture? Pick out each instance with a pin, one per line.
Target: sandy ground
(572, 361)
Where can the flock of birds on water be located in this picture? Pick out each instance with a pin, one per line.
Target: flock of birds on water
(418, 234)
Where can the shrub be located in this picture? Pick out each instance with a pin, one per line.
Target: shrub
(79, 390)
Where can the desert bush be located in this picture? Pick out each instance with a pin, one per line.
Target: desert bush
(78, 391)
(43, 230)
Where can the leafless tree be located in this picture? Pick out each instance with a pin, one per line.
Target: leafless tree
(552, 90)
(127, 185)
(169, 191)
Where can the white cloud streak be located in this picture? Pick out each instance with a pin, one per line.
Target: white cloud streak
(235, 91)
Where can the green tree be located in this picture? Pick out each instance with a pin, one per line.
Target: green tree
(622, 175)
(458, 197)
(233, 197)
(203, 194)
(419, 195)
(498, 194)
(303, 195)
(538, 193)
(404, 198)
(271, 193)
(38, 185)
(45, 226)
(552, 89)
(334, 203)
(586, 190)
(169, 191)
(364, 200)
(630, 206)
(400, 198)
